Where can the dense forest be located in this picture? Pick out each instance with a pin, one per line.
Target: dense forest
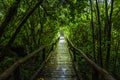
(91, 25)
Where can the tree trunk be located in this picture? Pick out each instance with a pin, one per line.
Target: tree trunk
(95, 75)
(100, 62)
(23, 22)
(109, 28)
(9, 16)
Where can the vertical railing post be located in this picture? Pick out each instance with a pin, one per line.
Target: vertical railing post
(73, 52)
(43, 54)
(52, 47)
(74, 55)
(16, 74)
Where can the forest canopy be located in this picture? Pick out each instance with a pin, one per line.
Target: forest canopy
(91, 25)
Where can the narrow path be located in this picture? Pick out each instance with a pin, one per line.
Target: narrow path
(59, 66)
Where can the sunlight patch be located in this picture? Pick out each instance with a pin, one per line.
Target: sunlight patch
(41, 79)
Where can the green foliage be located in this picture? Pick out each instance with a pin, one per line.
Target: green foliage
(72, 16)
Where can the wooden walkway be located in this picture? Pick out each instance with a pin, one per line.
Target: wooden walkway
(59, 67)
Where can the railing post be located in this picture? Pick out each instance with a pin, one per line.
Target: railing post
(74, 56)
(43, 54)
(52, 47)
(16, 74)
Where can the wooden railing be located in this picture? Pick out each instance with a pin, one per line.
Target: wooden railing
(15, 68)
(100, 70)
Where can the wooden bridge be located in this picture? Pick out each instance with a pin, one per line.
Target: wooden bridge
(59, 67)
(60, 64)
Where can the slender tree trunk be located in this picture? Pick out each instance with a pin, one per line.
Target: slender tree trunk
(42, 21)
(116, 57)
(92, 26)
(95, 75)
(100, 62)
(109, 28)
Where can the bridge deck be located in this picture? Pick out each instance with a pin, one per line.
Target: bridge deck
(59, 67)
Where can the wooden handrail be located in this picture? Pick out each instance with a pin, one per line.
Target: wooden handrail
(41, 67)
(13, 67)
(101, 71)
